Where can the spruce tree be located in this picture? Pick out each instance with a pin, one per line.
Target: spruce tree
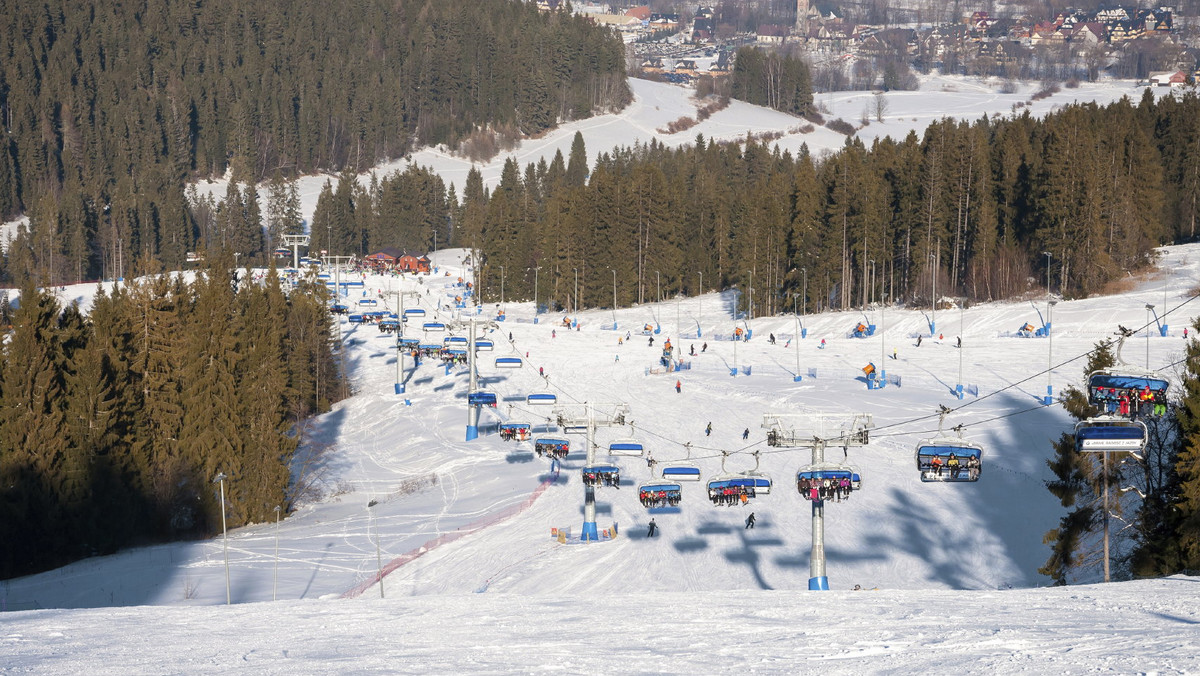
(1078, 486)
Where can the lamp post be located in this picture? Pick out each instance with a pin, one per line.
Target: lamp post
(614, 308)
(576, 293)
(933, 301)
(796, 338)
(535, 289)
(804, 293)
(275, 587)
(961, 330)
(700, 312)
(378, 558)
(220, 479)
(502, 285)
(871, 284)
(1047, 255)
(658, 286)
(750, 306)
(882, 349)
(1149, 309)
(1049, 350)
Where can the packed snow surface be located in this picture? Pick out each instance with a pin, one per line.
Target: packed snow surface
(474, 580)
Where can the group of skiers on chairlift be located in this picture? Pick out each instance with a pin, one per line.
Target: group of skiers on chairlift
(660, 498)
(1130, 401)
(953, 465)
(826, 488)
(595, 478)
(731, 495)
(514, 433)
(553, 449)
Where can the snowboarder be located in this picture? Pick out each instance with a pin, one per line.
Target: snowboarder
(653, 529)
(693, 350)
(678, 387)
(542, 371)
(704, 347)
(822, 345)
(746, 434)
(750, 522)
(918, 341)
(708, 430)
(553, 333)
(771, 338)
(651, 341)
(895, 352)
(959, 343)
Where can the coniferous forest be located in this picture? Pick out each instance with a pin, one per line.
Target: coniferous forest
(974, 204)
(111, 108)
(113, 424)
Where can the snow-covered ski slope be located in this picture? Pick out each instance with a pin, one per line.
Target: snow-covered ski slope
(458, 523)
(657, 104)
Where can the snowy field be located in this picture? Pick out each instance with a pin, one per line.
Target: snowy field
(656, 104)
(475, 582)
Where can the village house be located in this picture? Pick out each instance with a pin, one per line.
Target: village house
(1176, 78)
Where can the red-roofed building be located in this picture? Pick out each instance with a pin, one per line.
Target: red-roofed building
(640, 13)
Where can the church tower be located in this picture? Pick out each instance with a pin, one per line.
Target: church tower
(802, 17)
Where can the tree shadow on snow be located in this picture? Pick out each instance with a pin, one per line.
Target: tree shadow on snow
(690, 545)
(1009, 503)
(601, 508)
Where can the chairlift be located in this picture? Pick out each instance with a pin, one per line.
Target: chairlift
(1110, 434)
(681, 473)
(729, 488)
(338, 309)
(481, 399)
(368, 302)
(454, 340)
(508, 362)
(433, 326)
(658, 494)
(762, 482)
(518, 431)
(484, 346)
(552, 446)
(630, 447)
(949, 458)
(414, 312)
(1127, 390)
(1124, 388)
(601, 475)
(541, 399)
(824, 480)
